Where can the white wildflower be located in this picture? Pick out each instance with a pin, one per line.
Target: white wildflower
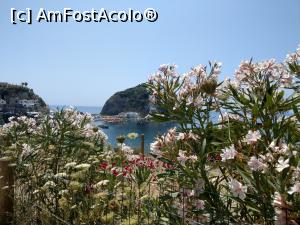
(49, 184)
(60, 175)
(101, 183)
(70, 165)
(83, 166)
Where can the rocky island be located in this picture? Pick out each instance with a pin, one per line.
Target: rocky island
(132, 103)
(17, 100)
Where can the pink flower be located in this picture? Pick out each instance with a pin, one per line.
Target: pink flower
(252, 137)
(237, 189)
(295, 188)
(193, 158)
(256, 164)
(182, 158)
(200, 204)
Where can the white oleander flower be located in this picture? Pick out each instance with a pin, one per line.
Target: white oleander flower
(228, 153)
(295, 188)
(26, 150)
(181, 136)
(282, 164)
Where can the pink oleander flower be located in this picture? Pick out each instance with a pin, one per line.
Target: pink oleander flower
(237, 189)
(170, 136)
(200, 204)
(253, 136)
(295, 188)
(192, 136)
(228, 153)
(280, 206)
(182, 158)
(156, 147)
(181, 136)
(256, 164)
(193, 158)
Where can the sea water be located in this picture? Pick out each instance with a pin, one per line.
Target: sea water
(149, 129)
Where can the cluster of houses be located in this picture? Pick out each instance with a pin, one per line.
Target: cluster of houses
(24, 102)
(17, 107)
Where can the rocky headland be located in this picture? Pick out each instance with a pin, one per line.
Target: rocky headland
(132, 103)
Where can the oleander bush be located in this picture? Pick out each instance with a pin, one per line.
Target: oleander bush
(233, 157)
(243, 168)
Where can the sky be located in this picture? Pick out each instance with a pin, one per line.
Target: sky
(85, 63)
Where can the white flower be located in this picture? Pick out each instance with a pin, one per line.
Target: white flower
(282, 164)
(256, 164)
(49, 184)
(62, 192)
(295, 188)
(182, 158)
(192, 136)
(267, 157)
(26, 150)
(181, 136)
(156, 146)
(83, 166)
(228, 153)
(252, 137)
(237, 189)
(60, 175)
(125, 148)
(280, 205)
(170, 136)
(132, 135)
(101, 183)
(70, 165)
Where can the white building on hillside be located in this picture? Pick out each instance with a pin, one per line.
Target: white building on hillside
(28, 102)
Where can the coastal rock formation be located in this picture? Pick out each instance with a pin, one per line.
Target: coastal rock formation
(134, 99)
(19, 100)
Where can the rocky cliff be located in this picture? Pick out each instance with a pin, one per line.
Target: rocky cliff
(134, 99)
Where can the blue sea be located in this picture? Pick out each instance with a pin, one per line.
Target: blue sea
(149, 129)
